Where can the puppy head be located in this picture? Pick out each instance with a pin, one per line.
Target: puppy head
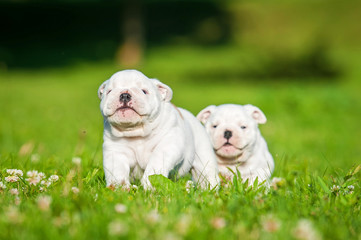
(129, 99)
(233, 129)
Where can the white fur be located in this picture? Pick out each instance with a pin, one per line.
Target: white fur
(246, 150)
(148, 135)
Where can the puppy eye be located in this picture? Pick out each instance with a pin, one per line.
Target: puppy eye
(145, 91)
(109, 91)
(215, 126)
(243, 127)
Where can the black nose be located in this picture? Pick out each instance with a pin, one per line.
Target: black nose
(227, 134)
(125, 97)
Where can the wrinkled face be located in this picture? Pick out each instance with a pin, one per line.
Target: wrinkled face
(129, 99)
(232, 128)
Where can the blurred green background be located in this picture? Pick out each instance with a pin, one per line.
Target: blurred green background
(299, 61)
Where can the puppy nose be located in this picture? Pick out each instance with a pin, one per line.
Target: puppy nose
(227, 134)
(125, 97)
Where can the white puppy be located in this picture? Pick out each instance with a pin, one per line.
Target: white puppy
(144, 134)
(237, 141)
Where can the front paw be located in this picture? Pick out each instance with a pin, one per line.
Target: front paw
(146, 184)
(116, 184)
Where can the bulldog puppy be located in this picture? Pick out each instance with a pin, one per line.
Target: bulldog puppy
(145, 134)
(237, 141)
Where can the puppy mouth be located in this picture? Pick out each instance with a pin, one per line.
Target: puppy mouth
(124, 108)
(228, 144)
(229, 152)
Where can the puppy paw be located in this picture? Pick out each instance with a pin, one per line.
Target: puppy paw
(123, 184)
(146, 184)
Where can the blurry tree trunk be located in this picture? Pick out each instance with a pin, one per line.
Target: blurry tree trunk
(130, 52)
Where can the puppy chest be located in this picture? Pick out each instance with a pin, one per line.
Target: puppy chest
(142, 155)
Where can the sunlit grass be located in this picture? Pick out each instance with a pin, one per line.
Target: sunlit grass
(48, 117)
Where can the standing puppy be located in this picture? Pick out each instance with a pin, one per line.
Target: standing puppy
(237, 141)
(144, 134)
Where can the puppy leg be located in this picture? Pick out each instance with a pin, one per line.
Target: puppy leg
(164, 158)
(205, 174)
(116, 169)
(204, 166)
(205, 170)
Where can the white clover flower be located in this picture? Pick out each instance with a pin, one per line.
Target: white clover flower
(35, 158)
(14, 172)
(117, 228)
(189, 186)
(171, 236)
(95, 197)
(75, 190)
(120, 208)
(17, 201)
(218, 223)
(12, 178)
(2, 186)
(76, 160)
(270, 223)
(33, 180)
(45, 183)
(13, 215)
(32, 173)
(277, 182)
(153, 217)
(335, 188)
(19, 173)
(14, 191)
(183, 224)
(54, 178)
(305, 231)
(35, 177)
(41, 175)
(44, 203)
(62, 220)
(350, 189)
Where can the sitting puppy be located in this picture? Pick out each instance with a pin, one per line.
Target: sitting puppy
(144, 134)
(237, 141)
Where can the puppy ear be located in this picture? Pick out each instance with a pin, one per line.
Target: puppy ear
(101, 89)
(256, 113)
(166, 92)
(206, 113)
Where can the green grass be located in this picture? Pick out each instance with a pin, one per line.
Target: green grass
(50, 116)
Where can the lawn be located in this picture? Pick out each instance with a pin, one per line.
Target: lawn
(50, 122)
